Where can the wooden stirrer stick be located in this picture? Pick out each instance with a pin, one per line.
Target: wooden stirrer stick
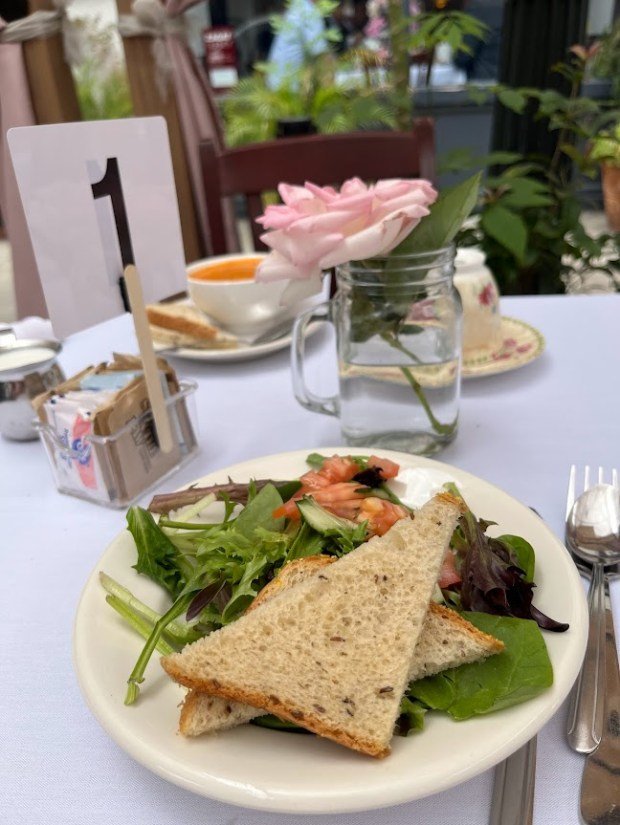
(149, 360)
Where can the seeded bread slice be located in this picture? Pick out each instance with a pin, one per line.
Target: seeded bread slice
(446, 641)
(183, 325)
(333, 653)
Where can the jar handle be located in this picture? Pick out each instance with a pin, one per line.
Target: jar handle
(305, 396)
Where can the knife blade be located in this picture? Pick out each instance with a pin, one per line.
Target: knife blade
(600, 786)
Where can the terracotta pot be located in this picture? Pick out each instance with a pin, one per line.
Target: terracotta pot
(611, 195)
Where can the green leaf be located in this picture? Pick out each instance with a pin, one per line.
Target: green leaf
(273, 723)
(477, 94)
(307, 542)
(456, 160)
(512, 99)
(521, 672)
(411, 717)
(517, 200)
(258, 513)
(502, 158)
(524, 553)
(507, 228)
(158, 558)
(447, 215)
(315, 460)
(288, 489)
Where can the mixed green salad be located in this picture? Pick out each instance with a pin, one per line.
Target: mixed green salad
(212, 571)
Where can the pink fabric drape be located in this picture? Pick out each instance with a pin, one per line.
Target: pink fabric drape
(16, 110)
(200, 119)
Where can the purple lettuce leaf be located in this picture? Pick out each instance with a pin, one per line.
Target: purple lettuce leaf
(493, 582)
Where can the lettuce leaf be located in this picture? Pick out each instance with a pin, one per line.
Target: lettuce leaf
(158, 558)
(521, 672)
(493, 576)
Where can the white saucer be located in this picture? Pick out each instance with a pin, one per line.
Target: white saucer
(520, 344)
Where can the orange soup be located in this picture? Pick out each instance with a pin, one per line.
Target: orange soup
(236, 269)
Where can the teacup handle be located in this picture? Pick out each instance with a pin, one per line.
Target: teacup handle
(305, 396)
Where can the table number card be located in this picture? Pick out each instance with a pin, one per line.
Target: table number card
(99, 196)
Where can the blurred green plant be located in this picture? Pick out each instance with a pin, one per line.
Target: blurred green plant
(606, 59)
(100, 78)
(529, 227)
(253, 110)
(357, 90)
(423, 33)
(606, 147)
(280, 23)
(529, 222)
(102, 97)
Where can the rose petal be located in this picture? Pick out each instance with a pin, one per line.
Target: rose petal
(359, 202)
(395, 188)
(411, 199)
(324, 193)
(354, 186)
(325, 222)
(369, 243)
(278, 217)
(297, 291)
(291, 195)
(299, 247)
(412, 210)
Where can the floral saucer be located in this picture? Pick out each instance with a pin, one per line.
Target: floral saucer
(520, 344)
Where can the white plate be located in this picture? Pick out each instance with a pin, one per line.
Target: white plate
(274, 771)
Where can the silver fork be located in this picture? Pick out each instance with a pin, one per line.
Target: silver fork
(572, 495)
(585, 714)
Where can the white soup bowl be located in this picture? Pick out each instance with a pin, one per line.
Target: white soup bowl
(243, 307)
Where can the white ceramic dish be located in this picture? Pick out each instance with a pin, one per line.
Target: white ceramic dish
(243, 307)
(288, 773)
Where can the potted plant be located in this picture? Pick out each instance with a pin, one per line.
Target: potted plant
(364, 88)
(529, 213)
(605, 149)
(606, 59)
(255, 112)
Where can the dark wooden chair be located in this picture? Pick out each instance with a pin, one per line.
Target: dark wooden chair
(322, 159)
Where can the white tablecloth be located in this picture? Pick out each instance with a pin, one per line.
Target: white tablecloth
(521, 431)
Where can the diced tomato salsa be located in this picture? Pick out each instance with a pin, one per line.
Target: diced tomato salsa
(333, 488)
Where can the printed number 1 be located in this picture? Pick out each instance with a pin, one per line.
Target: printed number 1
(110, 186)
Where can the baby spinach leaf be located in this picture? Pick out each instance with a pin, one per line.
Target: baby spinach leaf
(521, 672)
(411, 717)
(258, 512)
(315, 460)
(273, 723)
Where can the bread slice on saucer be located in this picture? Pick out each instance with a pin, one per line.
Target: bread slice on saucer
(180, 324)
(333, 653)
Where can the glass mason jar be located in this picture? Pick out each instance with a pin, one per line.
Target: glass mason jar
(398, 335)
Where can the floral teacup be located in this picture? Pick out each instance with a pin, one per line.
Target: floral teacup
(482, 321)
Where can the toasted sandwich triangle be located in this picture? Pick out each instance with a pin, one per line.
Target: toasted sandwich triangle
(333, 653)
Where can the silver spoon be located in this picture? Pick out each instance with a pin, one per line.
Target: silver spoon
(593, 534)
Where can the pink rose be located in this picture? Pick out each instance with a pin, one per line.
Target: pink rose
(316, 228)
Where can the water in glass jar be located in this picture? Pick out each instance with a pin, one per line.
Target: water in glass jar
(400, 406)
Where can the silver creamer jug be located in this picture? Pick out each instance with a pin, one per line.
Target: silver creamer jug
(27, 368)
